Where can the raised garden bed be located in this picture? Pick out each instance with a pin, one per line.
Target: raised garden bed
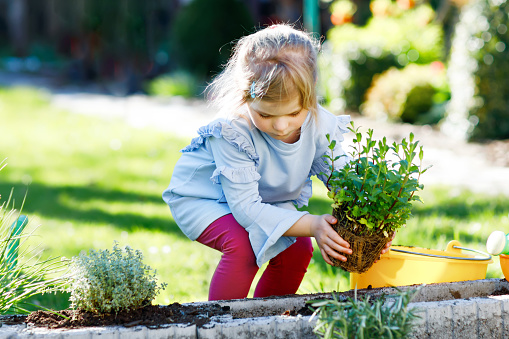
(477, 309)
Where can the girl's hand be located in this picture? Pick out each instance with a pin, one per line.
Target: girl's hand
(328, 240)
(386, 248)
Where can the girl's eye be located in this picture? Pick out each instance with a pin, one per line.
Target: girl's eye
(295, 114)
(264, 116)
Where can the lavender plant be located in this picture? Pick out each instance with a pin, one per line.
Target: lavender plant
(111, 281)
(385, 317)
(371, 189)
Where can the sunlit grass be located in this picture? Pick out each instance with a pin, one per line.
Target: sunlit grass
(91, 181)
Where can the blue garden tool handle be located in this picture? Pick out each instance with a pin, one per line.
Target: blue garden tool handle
(16, 229)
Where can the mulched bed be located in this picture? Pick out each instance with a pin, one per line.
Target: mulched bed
(150, 316)
(154, 316)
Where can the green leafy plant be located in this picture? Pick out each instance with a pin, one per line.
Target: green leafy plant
(372, 190)
(22, 273)
(110, 281)
(385, 317)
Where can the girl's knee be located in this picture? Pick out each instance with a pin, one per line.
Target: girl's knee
(237, 245)
(304, 247)
(299, 254)
(229, 237)
(303, 251)
(240, 246)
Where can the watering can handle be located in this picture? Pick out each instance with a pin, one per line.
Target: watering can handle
(488, 256)
(453, 246)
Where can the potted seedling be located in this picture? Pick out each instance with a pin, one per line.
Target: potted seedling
(372, 194)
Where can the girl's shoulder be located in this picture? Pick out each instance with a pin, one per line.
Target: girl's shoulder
(225, 126)
(235, 132)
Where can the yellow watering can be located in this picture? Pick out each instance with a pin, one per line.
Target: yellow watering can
(414, 265)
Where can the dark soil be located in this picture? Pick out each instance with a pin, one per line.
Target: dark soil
(150, 316)
(154, 316)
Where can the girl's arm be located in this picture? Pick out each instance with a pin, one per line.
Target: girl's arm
(328, 240)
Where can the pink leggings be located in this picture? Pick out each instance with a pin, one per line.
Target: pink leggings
(237, 268)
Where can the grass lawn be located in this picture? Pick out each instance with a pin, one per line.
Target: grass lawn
(92, 181)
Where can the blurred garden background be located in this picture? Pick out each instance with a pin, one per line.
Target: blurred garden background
(135, 72)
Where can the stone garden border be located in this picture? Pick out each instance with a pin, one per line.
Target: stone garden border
(468, 309)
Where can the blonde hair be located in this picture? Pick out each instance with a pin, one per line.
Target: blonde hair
(271, 64)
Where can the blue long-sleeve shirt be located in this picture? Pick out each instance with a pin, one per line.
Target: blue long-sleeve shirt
(232, 167)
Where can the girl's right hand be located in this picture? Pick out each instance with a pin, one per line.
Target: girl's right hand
(328, 240)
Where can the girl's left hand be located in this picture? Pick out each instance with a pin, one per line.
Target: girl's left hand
(386, 248)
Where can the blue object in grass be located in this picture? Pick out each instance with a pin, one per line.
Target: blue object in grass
(16, 229)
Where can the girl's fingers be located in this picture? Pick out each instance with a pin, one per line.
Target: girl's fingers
(338, 244)
(331, 252)
(386, 248)
(326, 257)
(336, 239)
(330, 219)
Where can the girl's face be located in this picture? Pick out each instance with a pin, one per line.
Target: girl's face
(281, 120)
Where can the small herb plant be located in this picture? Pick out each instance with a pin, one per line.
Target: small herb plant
(366, 318)
(106, 282)
(371, 190)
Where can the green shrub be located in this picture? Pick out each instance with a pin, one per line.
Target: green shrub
(492, 75)
(105, 281)
(414, 94)
(363, 70)
(366, 318)
(479, 72)
(203, 30)
(386, 41)
(174, 84)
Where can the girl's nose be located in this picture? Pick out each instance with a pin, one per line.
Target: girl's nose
(280, 124)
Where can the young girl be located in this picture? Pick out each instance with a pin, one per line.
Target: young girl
(236, 185)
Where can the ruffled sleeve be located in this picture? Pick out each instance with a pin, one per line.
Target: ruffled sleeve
(237, 175)
(220, 129)
(211, 130)
(239, 141)
(319, 164)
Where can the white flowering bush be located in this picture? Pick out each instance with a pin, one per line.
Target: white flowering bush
(111, 281)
